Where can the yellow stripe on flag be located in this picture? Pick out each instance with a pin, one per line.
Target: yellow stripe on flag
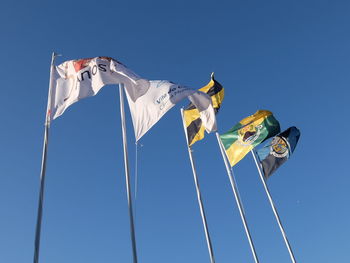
(199, 136)
(191, 115)
(208, 86)
(236, 153)
(217, 99)
(257, 116)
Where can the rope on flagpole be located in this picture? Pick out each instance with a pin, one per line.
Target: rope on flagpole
(136, 171)
(137, 148)
(291, 254)
(136, 176)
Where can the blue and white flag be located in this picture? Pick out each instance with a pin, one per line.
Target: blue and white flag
(278, 150)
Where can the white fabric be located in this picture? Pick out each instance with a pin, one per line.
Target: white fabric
(78, 79)
(203, 103)
(148, 100)
(161, 97)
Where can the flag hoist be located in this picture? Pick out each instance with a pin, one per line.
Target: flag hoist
(194, 131)
(237, 142)
(148, 100)
(272, 156)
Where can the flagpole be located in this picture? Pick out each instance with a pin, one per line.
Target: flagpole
(127, 178)
(238, 200)
(274, 209)
(199, 197)
(43, 168)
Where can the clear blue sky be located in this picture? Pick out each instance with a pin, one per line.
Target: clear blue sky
(292, 58)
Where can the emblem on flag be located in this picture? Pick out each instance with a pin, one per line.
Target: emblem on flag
(248, 133)
(279, 147)
(278, 150)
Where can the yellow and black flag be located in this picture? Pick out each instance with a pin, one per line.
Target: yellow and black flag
(194, 127)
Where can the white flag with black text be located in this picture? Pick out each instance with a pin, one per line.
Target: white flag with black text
(160, 97)
(78, 79)
(74, 80)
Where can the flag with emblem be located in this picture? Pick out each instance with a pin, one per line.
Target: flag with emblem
(192, 117)
(278, 150)
(248, 133)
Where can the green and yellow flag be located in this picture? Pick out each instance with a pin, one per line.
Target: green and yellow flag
(249, 133)
(194, 127)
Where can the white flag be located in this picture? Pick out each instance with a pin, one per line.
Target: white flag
(161, 96)
(204, 104)
(78, 79)
(148, 100)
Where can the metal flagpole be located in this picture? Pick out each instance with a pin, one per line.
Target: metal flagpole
(127, 178)
(238, 200)
(274, 209)
(43, 168)
(199, 197)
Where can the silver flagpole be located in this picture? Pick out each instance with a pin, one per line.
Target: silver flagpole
(127, 178)
(43, 168)
(199, 197)
(274, 209)
(238, 200)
